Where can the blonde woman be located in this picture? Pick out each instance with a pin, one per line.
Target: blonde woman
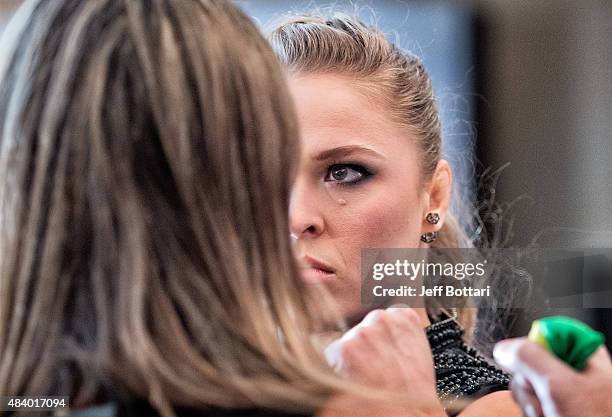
(371, 176)
(145, 264)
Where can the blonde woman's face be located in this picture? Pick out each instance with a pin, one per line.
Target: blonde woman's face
(358, 183)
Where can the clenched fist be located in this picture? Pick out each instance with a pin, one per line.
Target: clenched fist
(389, 350)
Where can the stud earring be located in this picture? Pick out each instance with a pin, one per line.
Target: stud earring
(429, 237)
(432, 218)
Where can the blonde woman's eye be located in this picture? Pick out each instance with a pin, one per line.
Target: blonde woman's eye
(346, 173)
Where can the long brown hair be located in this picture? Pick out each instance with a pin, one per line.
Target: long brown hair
(146, 156)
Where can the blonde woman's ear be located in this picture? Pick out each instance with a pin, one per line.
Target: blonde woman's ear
(439, 194)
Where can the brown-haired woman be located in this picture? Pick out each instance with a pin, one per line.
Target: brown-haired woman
(146, 152)
(371, 176)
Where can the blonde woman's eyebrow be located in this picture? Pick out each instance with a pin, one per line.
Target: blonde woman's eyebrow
(344, 152)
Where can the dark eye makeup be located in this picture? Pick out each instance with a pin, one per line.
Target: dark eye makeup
(346, 173)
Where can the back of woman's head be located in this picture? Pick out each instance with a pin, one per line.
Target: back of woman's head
(146, 151)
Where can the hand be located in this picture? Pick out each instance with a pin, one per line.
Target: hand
(545, 386)
(388, 350)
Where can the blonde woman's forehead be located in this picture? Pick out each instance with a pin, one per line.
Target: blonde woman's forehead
(334, 111)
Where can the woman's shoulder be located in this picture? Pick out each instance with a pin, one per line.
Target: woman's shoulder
(499, 403)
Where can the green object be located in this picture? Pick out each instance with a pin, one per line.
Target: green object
(570, 340)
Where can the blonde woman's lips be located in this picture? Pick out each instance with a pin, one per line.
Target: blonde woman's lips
(314, 271)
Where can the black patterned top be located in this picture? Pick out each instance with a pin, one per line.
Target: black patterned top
(461, 371)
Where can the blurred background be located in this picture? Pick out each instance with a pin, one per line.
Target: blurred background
(523, 85)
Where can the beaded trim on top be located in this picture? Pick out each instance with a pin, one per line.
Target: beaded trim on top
(461, 371)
